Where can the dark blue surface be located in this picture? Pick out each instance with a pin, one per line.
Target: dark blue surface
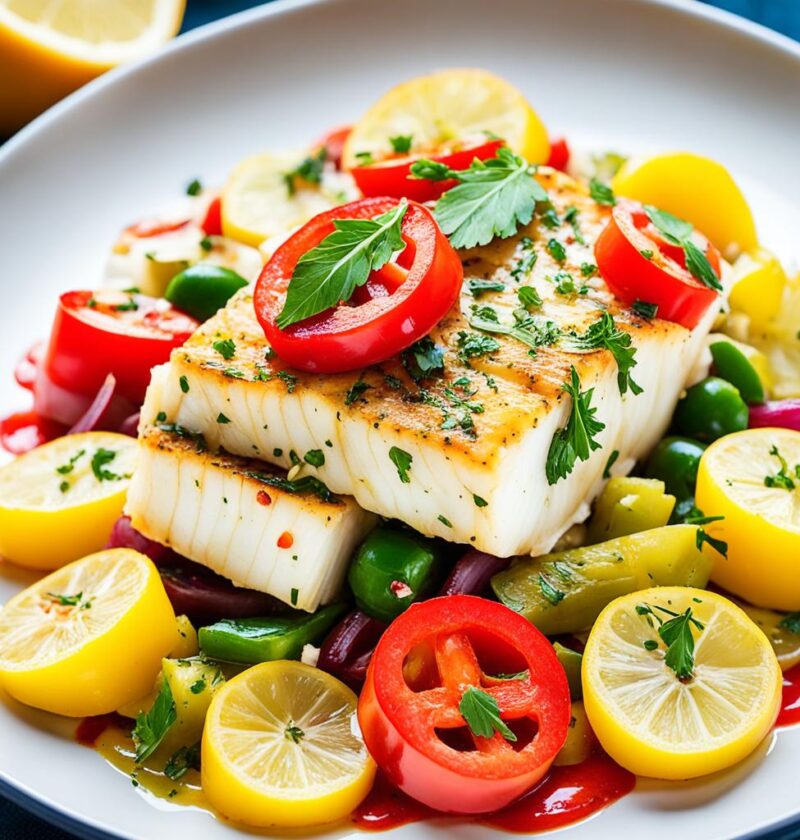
(17, 823)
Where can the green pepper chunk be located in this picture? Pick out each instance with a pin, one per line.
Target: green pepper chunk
(391, 570)
(711, 409)
(564, 592)
(203, 289)
(732, 364)
(675, 461)
(252, 640)
(628, 505)
(571, 661)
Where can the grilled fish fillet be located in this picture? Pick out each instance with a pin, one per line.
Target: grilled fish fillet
(237, 517)
(476, 437)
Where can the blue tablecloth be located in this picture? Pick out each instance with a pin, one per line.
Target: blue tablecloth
(782, 15)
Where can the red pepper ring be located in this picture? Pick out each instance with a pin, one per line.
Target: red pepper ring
(399, 304)
(409, 708)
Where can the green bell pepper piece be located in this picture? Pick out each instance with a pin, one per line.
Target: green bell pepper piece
(628, 505)
(734, 366)
(571, 661)
(564, 592)
(391, 570)
(251, 640)
(711, 409)
(203, 289)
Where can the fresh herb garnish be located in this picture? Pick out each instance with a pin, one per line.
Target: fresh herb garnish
(472, 345)
(402, 460)
(182, 432)
(331, 271)
(226, 347)
(571, 216)
(528, 297)
(601, 193)
(532, 330)
(184, 383)
(198, 686)
(644, 309)
(702, 537)
(479, 502)
(294, 734)
(493, 197)
(67, 468)
(70, 600)
(401, 144)
(99, 460)
(676, 633)
(556, 250)
(576, 441)
(478, 286)
(445, 521)
(482, 714)
(604, 333)
(181, 761)
(423, 358)
(308, 170)
(153, 725)
(315, 457)
(356, 391)
(306, 484)
(553, 595)
(612, 459)
(679, 232)
(194, 187)
(786, 477)
(222, 419)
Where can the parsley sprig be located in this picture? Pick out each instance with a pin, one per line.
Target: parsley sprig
(605, 334)
(576, 441)
(493, 197)
(331, 271)
(676, 633)
(786, 477)
(532, 330)
(679, 232)
(308, 170)
(482, 714)
(153, 725)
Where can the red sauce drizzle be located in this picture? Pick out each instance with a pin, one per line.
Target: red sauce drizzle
(567, 795)
(91, 728)
(790, 706)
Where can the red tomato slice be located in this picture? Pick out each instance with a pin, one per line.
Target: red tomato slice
(212, 223)
(559, 154)
(333, 143)
(393, 175)
(98, 333)
(637, 263)
(409, 708)
(400, 303)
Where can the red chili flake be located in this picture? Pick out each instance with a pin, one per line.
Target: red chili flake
(263, 498)
(285, 540)
(400, 589)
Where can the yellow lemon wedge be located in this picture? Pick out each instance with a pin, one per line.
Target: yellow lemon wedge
(50, 49)
(694, 188)
(655, 723)
(752, 479)
(445, 106)
(281, 747)
(59, 501)
(263, 199)
(89, 637)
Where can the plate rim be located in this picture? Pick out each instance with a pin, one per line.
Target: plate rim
(21, 795)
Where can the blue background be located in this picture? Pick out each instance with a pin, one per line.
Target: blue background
(781, 15)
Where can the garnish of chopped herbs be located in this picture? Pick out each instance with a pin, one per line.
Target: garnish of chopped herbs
(402, 461)
(401, 144)
(493, 198)
(100, 460)
(423, 359)
(787, 478)
(153, 725)
(309, 171)
(226, 347)
(576, 441)
(482, 714)
(601, 193)
(330, 272)
(676, 633)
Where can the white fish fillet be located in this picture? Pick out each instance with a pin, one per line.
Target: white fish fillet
(228, 514)
(484, 485)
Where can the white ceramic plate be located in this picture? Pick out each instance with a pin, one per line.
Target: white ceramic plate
(627, 74)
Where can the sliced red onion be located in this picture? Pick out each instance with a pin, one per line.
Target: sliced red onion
(97, 411)
(471, 574)
(124, 535)
(348, 648)
(783, 414)
(130, 425)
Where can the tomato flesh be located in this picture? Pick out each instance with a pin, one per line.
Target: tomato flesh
(638, 263)
(409, 708)
(212, 223)
(393, 176)
(559, 154)
(98, 333)
(398, 305)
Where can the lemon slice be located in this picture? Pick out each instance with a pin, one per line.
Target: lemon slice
(89, 637)
(654, 724)
(281, 746)
(59, 501)
(449, 105)
(257, 202)
(694, 188)
(52, 48)
(762, 523)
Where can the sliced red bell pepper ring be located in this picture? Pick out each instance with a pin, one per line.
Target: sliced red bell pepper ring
(212, 222)
(409, 708)
(399, 304)
(333, 143)
(392, 176)
(638, 263)
(97, 333)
